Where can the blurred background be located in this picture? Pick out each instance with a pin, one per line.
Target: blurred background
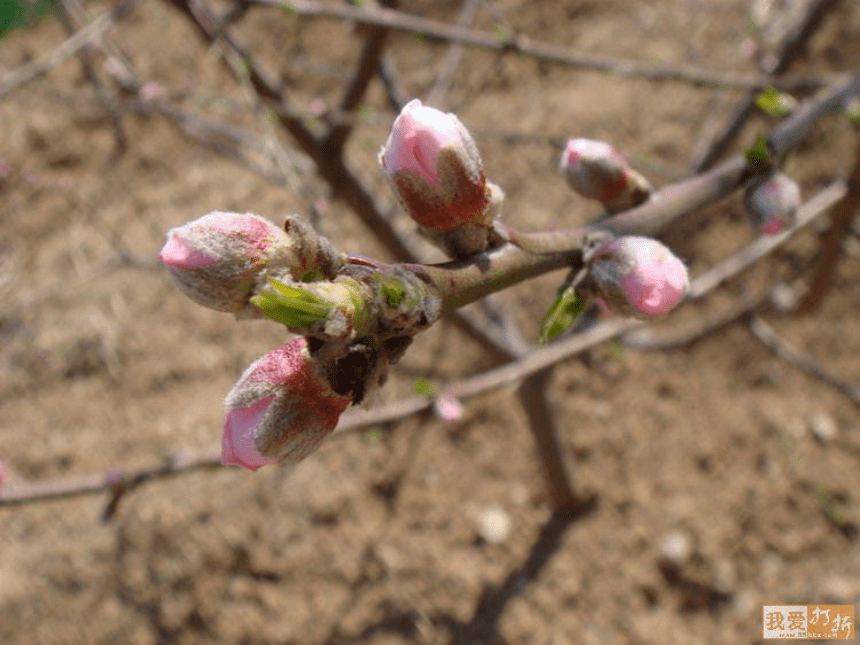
(720, 477)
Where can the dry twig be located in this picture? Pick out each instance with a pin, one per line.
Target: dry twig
(520, 44)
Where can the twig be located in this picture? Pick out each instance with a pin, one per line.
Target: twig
(520, 44)
(48, 61)
(356, 419)
(368, 63)
(765, 334)
(436, 95)
(71, 14)
(831, 246)
(791, 48)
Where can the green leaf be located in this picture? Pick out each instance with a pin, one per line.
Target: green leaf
(852, 111)
(501, 33)
(291, 306)
(394, 292)
(423, 387)
(561, 315)
(773, 102)
(758, 154)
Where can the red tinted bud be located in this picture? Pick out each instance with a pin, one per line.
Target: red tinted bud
(596, 170)
(433, 164)
(280, 410)
(772, 204)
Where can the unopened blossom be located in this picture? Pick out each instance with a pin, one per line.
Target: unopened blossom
(448, 408)
(433, 164)
(772, 204)
(639, 276)
(280, 410)
(596, 170)
(219, 258)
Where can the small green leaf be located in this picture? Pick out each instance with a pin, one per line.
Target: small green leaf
(291, 306)
(758, 155)
(773, 102)
(501, 33)
(423, 387)
(373, 434)
(852, 111)
(394, 292)
(561, 315)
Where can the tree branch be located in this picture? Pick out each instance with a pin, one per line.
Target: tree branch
(522, 45)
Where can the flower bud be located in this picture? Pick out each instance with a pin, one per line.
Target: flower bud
(217, 259)
(638, 276)
(596, 170)
(772, 203)
(280, 409)
(434, 166)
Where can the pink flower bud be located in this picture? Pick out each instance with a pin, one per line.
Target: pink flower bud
(218, 259)
(639, 276)
(772, 204)
(280, 409)
(448, 408)
(596, 170)
(433, 163)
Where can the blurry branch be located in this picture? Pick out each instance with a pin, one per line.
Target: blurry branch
(365, 71)
(242, 146)
(830, 250)
(535, 362)
(522, 45)
(436, 95)
(62, 52)
(791, 48)
(765, 334)
(72, 15)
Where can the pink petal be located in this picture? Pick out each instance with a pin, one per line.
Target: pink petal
(240, 431)
(657, 284)
(773, 226)
(418, 135)
(179, 254)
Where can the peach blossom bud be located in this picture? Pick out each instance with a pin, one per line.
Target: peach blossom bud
(638, 276)
(596, 170)
(434, 166)
(216, 260)
(280, 409)
(448, 408)
(772, 204)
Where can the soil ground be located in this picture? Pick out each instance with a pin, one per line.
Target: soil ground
(718, 449)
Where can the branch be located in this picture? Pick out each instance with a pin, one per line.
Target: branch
(356, 419)
(792, 46)
(68, 48)
(520, 44)
(830, 251)
(765, 334)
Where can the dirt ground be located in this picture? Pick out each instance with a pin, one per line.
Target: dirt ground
(720, 477)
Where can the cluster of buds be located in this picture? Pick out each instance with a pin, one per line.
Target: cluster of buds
(357, 318)
(772, 203)
(597, 171)
(433, 164)
(638, 276)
